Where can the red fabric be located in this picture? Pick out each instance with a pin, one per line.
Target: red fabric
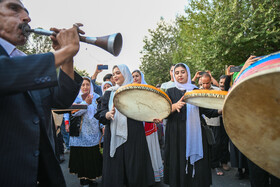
(150, 128)
(66, 122)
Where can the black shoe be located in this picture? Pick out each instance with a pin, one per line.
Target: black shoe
(61, 158)
(240, 175)
(93, 183)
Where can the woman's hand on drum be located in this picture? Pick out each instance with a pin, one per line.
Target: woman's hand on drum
(110, 114)
(250, 61)
(157, 120)
(177, 106)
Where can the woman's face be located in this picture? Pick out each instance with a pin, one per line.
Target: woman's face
(136, 77)
(85, 88)
(118, 77)
(106, 86)
(181, 75)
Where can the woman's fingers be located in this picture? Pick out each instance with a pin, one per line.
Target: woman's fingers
(112, 116)
(182, 98)
(157, 120)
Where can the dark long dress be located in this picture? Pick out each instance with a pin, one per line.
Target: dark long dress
(175, 149)
(131, 164)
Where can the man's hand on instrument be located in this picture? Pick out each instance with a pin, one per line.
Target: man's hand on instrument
(56, 45)
(110, 114)
(177, 106)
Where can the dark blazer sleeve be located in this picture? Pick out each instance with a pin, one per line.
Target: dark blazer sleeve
(66, 91)
(103, 108)
(19, 74)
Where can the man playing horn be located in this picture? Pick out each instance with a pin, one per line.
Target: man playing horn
(29, 88)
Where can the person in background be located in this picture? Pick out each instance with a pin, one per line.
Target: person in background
(258, 176)
(237, 159)
(85, 158)
(160, 128)
(224, 139)
(109, 77)
(29, 89)
(151, 135)
(206, 80)
(96, 88)
(105, 85)
(164, 86)
(198, 75)
(126, 158)
(65, 134)
(158, 86)
(214, 124)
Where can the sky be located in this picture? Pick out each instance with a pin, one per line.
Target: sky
(131, 18)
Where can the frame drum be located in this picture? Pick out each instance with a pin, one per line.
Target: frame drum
(251, 113)
(142, 102)
(206, 98)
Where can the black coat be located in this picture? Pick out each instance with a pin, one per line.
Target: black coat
(175, 148)
(29, 88)
(131, 164)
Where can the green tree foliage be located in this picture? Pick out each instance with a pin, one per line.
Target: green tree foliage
(37, 44)
(81, 72)
(157, 53)
(215, 33)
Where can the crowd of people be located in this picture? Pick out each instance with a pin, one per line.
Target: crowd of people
(101, 141)
(168, 153)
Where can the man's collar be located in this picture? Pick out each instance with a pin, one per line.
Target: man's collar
(9, 48)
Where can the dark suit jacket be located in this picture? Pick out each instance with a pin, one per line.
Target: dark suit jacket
(29, 88)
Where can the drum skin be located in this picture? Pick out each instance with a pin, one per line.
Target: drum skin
(142, 102)
(212, 99)
(251, 115)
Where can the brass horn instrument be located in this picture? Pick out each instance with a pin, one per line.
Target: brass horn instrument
(110, 43)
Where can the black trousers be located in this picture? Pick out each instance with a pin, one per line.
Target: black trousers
(225, 155)
(260, 177)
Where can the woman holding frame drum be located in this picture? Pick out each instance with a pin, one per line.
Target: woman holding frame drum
(151, 135)
(126, 158)
(186, 161)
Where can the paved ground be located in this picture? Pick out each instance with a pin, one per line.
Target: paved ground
(228, 180)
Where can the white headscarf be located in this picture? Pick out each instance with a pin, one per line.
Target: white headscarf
(118, 126)
(91, 110)
(142, 76)
(103, 84)
(194, 147)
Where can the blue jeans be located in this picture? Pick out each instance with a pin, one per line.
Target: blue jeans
(65, 135)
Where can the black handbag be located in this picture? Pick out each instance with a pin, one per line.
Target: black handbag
(209, 134)
(75, 125)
